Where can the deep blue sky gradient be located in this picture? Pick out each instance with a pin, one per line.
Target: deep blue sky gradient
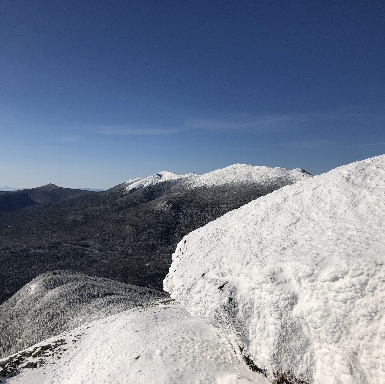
(93, 93)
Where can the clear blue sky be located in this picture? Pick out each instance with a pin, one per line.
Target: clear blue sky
(94, 92)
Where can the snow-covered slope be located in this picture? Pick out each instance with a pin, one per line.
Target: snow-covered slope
(60, 301)
(158, 178)
(296, 279)
(243, 173)
(160, 344)
(233, 174)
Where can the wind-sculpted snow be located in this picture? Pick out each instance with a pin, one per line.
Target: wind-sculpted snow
(59, 301)
(158, 344)
(296, 279)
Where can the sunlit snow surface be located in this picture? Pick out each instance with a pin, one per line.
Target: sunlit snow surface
(155, 179)
(237, 173)
(161, 344)
(243, 173)
(297, 278)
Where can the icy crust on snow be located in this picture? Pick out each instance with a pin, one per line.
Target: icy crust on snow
(162, 344)
(243, 173)
(160, 177)
(296, 279)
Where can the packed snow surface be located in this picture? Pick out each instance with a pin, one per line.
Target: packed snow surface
(237, 173)
(162, 344)
(296, 279)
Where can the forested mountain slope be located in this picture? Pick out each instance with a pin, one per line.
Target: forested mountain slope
(48, 194)
(129, 232)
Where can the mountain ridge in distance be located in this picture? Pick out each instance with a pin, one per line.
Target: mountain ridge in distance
(125, 235)
(47, 194)
(9, 189)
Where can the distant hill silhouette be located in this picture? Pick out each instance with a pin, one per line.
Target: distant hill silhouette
(48, 194)
(7, 189)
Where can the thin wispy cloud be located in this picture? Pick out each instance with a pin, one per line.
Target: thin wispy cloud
(256, 123)
(365, 145)
(284, 122)
(306, 144)
(127, 131)
(251, 123)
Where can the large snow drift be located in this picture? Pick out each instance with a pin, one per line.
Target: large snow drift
(159, 344)
(296, 279)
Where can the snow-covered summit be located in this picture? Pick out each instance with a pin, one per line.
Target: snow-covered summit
(243, 173)
(236, 173)
(155, 179)
(296, 278)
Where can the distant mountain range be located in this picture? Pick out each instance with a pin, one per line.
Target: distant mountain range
(9, 189)
(127, 233)
(47, 194)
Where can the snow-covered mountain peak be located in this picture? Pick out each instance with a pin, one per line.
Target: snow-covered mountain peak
(245, 173)
(236, 173)
(157, 178)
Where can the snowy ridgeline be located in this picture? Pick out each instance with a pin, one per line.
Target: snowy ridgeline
(296, 279)
(63, 300)
(160, 344)
(237, 173)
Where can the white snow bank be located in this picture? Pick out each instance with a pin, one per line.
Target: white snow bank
(296, 279)
(155, 179)
(161, 345)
